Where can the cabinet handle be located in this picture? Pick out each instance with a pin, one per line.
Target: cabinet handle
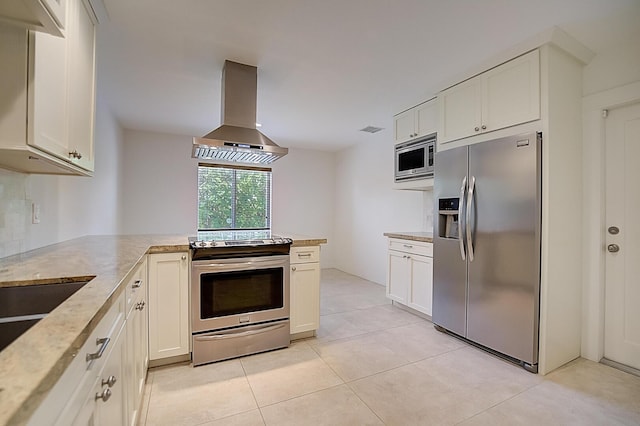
(137, 284)
(104, 341)
(184, 257)
(477, 129)
(407, 246)
(484, 127)
(75, 154)
(104, 395)
(110, 381)
(304, 254)
(293, 268)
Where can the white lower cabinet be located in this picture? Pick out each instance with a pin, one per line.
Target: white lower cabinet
(410, 274)
(305, 289)
(137, 327)
(106, 404)
(92, 389)
(168, 305)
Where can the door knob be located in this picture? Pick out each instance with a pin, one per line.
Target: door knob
(613, 248)
(613, 230)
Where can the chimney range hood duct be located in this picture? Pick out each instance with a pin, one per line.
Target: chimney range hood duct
(237, 140)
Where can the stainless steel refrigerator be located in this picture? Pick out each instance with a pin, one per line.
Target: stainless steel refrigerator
(486, 272)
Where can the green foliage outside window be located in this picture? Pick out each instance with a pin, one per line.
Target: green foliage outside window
(233, 198)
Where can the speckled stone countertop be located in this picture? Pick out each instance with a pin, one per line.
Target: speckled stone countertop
(426, 237)
(32, 364)
(302, 240)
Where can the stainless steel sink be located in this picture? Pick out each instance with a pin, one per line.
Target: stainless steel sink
(22, 307)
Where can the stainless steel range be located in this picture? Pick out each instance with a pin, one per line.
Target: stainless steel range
(239, 294)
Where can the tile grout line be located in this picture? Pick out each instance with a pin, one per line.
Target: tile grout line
(253, 394)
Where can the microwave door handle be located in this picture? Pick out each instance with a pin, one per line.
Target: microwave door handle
(463, 188)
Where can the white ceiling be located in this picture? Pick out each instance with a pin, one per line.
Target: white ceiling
(326, 68)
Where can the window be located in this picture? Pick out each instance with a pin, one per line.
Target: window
(233, 197)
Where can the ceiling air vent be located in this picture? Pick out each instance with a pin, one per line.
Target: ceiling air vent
(372, 129)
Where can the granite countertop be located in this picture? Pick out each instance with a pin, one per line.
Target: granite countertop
(426, 237)
(33, 363)
(303, 240)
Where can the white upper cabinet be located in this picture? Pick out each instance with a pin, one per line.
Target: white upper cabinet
(416, 122)
(81, 89)
(504, 96)
(49, 96)
(48, 16)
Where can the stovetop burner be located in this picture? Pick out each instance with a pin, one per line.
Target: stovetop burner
(218, 244)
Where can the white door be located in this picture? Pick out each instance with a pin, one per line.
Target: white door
(622, 286)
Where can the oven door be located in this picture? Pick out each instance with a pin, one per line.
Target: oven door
(241, 291)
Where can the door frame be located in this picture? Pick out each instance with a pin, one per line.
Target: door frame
(593, 208)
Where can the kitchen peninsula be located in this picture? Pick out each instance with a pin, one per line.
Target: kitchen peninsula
(36, 361)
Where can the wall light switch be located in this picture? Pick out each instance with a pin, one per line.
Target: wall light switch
(35, 213)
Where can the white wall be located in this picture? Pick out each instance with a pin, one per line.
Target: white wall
(160, 189)
(159, 184)
(616, 66)
(366, 206)
(70, 206)
(303, 198)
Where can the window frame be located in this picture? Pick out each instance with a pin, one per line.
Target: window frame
(237, 167)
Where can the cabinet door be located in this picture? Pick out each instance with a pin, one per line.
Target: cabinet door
(460, 108)
(168, 305)
(511, 93)
(421, 291)
(81, 34)
(112, 410)
(48, 106)
(305, 297)
(404, 126)
(426, 116)
(399, 276)
(137, 359)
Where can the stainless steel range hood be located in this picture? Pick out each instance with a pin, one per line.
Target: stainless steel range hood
(237, 140)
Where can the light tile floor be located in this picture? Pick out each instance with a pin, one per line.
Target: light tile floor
(374, 364)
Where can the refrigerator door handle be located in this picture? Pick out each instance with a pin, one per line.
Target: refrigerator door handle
(469, 207)
(463, 188)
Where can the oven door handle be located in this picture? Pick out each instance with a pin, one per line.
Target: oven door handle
(227, 335)
(243, 266)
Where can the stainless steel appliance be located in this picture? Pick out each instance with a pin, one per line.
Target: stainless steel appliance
(486, 283)
(237, 140)
(239, 294)
(414, 159)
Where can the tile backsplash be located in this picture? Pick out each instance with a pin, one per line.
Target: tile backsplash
(15, 212)
(427, 205)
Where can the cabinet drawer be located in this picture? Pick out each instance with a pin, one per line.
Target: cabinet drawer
(66, 395)
(413, 247)
(304, 254)
(136, 285)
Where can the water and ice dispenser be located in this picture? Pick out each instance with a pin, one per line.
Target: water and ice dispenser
(448, 217)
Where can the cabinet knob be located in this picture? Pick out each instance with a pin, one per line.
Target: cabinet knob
(477, 129)
(110, 381)
(75, 154)
(104, 395)
(137, 284)
(293, 268)
(484, 127)
(184, 257)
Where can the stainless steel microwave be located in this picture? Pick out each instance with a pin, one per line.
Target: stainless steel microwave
(415, 159)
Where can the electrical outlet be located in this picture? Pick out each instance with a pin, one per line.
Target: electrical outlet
(35, 213)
